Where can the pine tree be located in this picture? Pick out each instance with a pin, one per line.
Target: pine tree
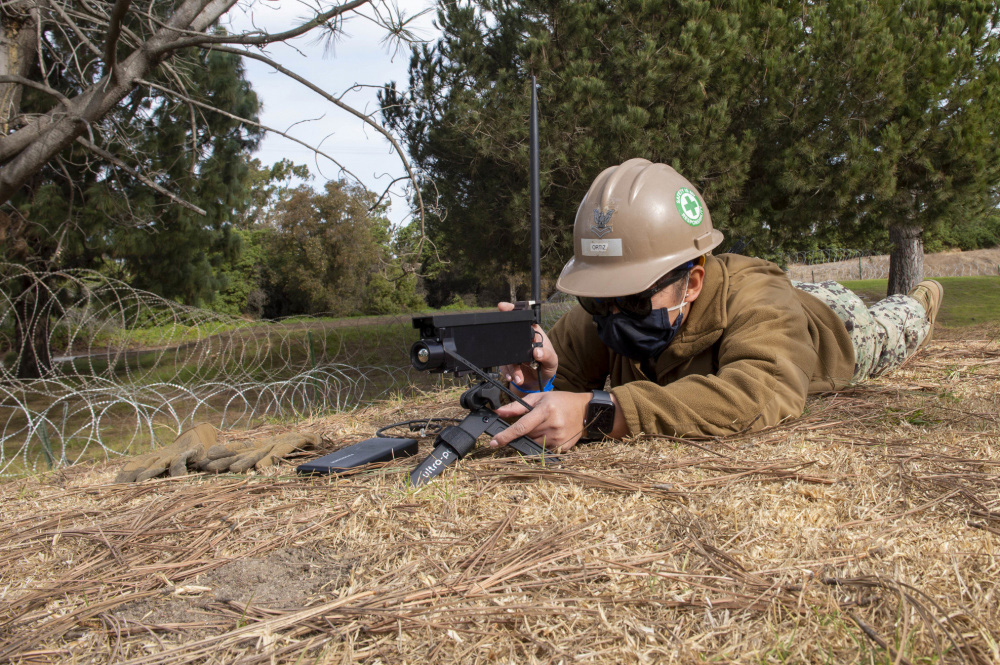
(893, 125)
(804, 125)
(668, 81)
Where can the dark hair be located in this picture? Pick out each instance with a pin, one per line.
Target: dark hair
(675, 275)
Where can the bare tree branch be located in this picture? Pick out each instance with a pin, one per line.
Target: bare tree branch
(358, 114)
(25, 151)
(108, 29)
(114, 32)
(385, 192)
(264, 39)
(247, 121)
(76, 29)
(12, 78)
(104, 154)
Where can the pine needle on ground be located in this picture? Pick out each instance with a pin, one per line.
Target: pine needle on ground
(867, 530)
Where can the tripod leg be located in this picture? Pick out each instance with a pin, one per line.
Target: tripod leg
(455, 442)
(440, 458)
(451, 444)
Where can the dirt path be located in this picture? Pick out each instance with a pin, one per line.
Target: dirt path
(944, 264)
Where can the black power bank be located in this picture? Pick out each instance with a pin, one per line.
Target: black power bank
(369, 451)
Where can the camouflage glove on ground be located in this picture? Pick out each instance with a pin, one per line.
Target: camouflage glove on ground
(189, 448)
(238, 456)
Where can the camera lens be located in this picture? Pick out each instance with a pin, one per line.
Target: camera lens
(427, 355)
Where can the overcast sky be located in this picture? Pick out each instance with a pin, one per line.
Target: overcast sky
(358, 57)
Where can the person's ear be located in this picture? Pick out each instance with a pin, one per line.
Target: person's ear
(696, 280)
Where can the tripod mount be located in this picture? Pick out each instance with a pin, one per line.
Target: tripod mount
(455, 442)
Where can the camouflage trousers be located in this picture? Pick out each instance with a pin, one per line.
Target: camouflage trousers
(883, 335)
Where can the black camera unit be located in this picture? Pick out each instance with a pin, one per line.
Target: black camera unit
(464, 344)
(487, 339)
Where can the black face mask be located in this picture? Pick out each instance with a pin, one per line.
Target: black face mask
(642, 339)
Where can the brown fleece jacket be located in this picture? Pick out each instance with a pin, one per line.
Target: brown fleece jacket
(748, 352)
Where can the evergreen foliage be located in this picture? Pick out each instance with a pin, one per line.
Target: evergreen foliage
(245, 290)
(269, 186)
(804, 125)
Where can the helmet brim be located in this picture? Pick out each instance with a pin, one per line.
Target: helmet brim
(610, 279)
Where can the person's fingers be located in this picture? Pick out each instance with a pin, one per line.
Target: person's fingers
(515, 409)
(539, 352)
(512, 410)
(518, 429)
(510, 372)
(504, 306)
(545, 354)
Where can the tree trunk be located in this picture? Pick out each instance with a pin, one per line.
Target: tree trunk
(906, 262)
(17, 52)
(32, 308)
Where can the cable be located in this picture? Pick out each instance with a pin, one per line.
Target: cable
(426, 426)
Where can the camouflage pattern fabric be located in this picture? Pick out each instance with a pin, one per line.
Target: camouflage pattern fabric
(883, 335)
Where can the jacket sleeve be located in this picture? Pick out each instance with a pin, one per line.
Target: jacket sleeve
(584, 361)
(765, 359)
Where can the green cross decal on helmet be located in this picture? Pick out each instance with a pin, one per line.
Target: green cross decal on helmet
(689, 206)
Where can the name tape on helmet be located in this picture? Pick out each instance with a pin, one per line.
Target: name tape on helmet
(609, 247)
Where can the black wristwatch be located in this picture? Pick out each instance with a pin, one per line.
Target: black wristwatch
(600, 416)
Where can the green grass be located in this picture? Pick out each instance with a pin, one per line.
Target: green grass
(968, 301)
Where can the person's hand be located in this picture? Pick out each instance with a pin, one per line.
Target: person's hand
(548, 362)
(556, 421)
(188, 448)
(238, 456)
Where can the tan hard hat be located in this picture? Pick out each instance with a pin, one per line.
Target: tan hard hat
(638, 222)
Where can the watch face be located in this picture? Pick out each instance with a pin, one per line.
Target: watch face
(600, 418)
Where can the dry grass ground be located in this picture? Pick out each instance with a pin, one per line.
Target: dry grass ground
(866, 531)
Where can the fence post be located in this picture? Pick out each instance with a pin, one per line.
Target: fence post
(43, 435)
(814, 275)
(312, 354)
(859, 268)
(312, 363)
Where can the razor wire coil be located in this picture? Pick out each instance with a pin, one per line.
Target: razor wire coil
(118, 370)
(92, 367)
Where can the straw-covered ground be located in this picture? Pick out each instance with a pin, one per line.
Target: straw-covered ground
(865, 531)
